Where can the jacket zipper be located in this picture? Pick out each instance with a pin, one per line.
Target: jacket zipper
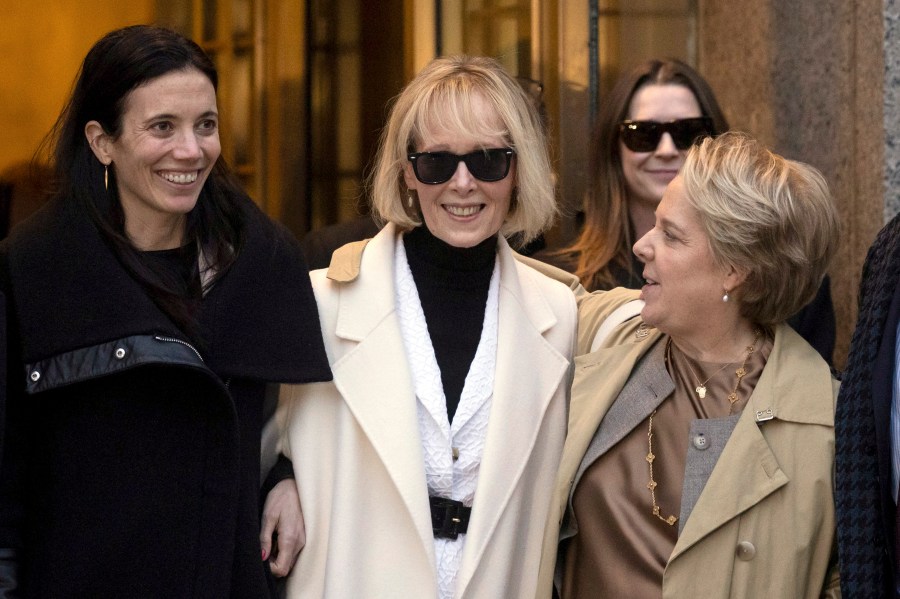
(184, 343)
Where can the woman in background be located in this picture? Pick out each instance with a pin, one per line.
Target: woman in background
(147, 307)
(641, 137)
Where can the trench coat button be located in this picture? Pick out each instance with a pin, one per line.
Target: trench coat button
(700, 442)
(745, 551)
(35, 376)
(120, 353)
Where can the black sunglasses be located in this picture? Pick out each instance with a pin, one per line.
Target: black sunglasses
(433, 168)
(644, 136)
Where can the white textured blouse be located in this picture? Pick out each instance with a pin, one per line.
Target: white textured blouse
(446, 477)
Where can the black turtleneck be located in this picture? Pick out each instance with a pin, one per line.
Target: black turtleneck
(453, 286)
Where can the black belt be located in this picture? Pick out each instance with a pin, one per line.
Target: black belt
(449, 518)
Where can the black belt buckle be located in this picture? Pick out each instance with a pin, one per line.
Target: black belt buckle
(449, 518)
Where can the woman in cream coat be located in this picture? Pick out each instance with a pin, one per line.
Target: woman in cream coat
(681, 476)
(392, 464)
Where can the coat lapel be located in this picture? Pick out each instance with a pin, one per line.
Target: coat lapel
(374, 377)
(599, 377)
(528, 374)
(732, 490)
(748, 471)
(648, 386)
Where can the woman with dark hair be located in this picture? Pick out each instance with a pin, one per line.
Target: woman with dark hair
(629, 172)
(641, 137)
(147, 307)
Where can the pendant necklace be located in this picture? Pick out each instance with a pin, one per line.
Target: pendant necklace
(700, 389)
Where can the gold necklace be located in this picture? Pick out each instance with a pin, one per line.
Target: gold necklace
(671, 520)
(700, 389)
(741, 372)
(732, 399)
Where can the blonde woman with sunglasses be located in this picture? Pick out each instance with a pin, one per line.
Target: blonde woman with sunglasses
(426, 467)
(699, 458)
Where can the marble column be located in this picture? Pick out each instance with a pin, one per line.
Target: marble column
(891, 108)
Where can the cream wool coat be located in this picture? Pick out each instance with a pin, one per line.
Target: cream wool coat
(357, 453)
(764, 524)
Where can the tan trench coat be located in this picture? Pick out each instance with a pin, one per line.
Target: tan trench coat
(356, 447)
(763, 526)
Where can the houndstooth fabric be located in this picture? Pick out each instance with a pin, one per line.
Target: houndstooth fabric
(861, 540)
(444, 476)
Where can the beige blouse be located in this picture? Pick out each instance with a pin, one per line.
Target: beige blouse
(621, 548)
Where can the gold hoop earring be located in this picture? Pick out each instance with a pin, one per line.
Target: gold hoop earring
(106, 177)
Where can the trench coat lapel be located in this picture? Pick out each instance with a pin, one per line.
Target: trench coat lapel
(529, 372)
(748, 471)
(375, 380)
(648, 386)
(600, 377)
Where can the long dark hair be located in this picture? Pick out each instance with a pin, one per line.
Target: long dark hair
(117, 64)
(606, 237)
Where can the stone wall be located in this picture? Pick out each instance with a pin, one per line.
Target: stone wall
(807, 78)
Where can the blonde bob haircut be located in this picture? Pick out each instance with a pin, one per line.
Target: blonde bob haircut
(441, 98)
(771, 218)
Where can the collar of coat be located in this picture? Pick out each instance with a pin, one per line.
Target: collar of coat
(794, 379)
(346, 267)
(70, 291)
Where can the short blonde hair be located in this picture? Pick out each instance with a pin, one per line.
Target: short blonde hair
(441, 96)
(771, 217)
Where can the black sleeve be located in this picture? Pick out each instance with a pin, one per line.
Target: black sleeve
(282, 470)
(815, 322)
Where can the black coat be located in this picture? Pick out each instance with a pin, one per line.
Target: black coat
(862, 427)
(131, 463)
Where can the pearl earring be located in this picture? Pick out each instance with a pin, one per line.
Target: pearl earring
(409, 198)
(725, 297)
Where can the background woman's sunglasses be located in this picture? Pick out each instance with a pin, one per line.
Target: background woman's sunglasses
(491, 164)
(644, 136)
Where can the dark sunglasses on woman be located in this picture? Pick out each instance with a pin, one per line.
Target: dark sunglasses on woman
(490, 164)
(644, 136)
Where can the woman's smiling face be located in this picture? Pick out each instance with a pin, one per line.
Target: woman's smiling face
(463, 211)
(648, 173)
(167, 146)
